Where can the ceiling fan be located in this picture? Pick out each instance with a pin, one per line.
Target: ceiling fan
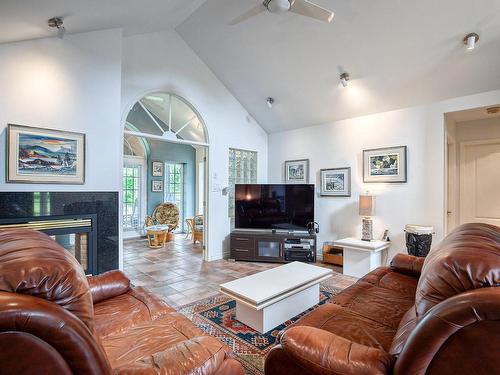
(302, 7)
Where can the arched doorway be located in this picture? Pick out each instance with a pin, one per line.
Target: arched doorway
(168, 133)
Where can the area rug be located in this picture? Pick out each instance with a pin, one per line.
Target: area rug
(216, 316)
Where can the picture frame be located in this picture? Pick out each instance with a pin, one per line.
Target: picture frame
(157, 168)
(157, 186)
(335, 182)
(44, 156)
(297, 171)
(387, 165)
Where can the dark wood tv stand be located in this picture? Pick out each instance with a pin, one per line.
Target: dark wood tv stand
(261, 246)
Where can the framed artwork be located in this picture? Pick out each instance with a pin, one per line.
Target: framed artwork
(157, 169)
(156, 186)
(385, 164)
(297, 171)
(44, 156)
(336, 182)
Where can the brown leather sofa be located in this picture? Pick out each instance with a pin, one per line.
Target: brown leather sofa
(53, 320)
(440, 316)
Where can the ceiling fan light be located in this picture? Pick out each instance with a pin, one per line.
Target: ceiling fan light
(278, 6)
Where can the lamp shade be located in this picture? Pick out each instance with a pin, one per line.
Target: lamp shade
(366, 205)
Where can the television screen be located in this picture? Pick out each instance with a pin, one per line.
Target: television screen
(274, 206)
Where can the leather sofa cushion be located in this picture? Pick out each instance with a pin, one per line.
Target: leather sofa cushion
(406, 327)
(382, 305)
(170, 338)
(200, 355)
(127, 310)
(385, 277)
(348, 324)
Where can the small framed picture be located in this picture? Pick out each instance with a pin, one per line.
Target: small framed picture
(297, 171)
(336, 182)
(385, 164)
(156, 186)
(157, 169)
(44, 156)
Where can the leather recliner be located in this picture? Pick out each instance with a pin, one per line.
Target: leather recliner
(440, 316)
(55, 320)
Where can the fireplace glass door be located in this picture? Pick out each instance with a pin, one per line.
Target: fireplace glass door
(78, 245)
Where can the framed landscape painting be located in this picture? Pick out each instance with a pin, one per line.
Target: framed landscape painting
(336, 182)
(297, 171)
(157, 169)
(385, 164)
(44, 156)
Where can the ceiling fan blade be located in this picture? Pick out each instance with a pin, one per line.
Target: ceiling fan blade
(308, 9)
(249, 14)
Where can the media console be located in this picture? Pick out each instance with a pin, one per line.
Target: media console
(260, 246)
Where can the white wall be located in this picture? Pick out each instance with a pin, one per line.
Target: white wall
(476, 130)
(71, 84)
(163, 61)
(340, 144)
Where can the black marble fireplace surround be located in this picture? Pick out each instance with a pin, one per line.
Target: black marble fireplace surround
(37, 205)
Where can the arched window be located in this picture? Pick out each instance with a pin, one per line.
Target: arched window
(166, 116)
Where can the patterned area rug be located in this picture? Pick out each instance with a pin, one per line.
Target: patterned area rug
(216, 316)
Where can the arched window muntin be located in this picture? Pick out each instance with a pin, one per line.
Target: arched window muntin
(166, 116)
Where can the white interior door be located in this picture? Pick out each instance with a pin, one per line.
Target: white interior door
(134, 195)
(480, 182)
(174, 189)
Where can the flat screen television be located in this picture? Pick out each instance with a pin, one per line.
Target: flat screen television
(274, 206)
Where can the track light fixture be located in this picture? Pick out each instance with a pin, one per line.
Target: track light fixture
(270, 102)
(344, 78)
(57, 23)
(470, 40)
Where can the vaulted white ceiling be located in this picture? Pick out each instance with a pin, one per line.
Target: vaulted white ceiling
(27, 19)
(398, 53)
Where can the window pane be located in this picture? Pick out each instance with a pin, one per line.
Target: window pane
(242, 170)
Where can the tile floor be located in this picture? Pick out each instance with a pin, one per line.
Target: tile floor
(178, 273)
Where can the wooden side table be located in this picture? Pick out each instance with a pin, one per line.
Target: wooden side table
(361, 257)
(157, 236)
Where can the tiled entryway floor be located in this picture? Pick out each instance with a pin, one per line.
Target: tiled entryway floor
(178, 273)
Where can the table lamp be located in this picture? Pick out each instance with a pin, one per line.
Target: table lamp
(367, 209)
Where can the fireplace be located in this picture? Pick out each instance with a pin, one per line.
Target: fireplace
(84, 223)
(76, 233)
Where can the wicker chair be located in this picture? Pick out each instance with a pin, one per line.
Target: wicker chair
(198, 228)
(164, 214)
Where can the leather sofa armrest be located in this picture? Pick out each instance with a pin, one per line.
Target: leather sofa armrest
(323, 352)
(108, 285)
(407, 264)
(56, 337)
(468, 321)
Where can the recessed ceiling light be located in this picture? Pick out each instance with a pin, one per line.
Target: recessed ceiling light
(470, 40)
(270, 102)
(344, 78)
